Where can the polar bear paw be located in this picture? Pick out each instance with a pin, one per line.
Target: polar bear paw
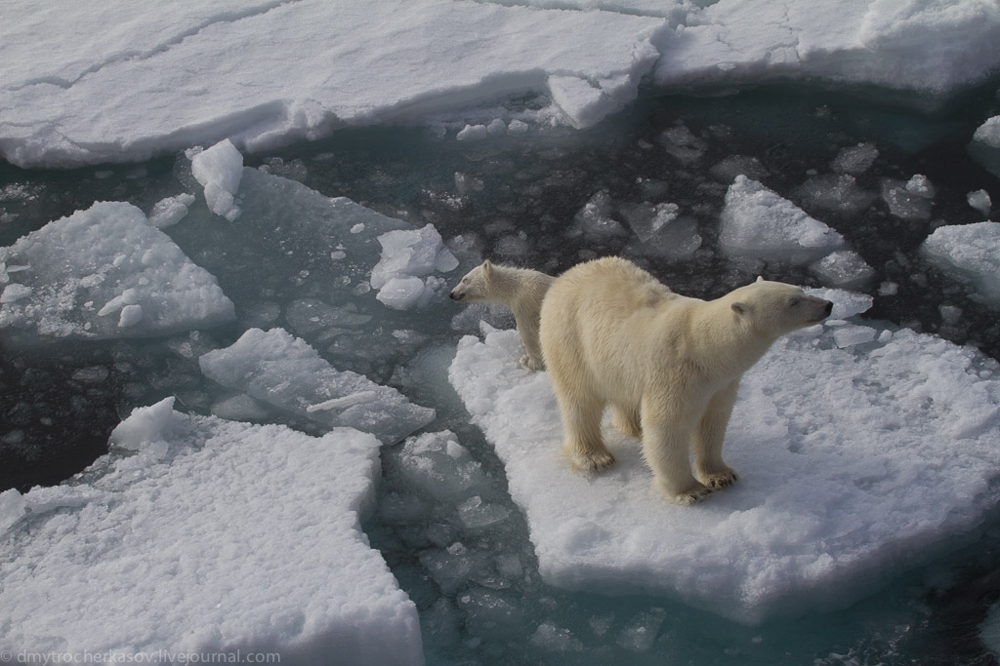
(590, 461)
(720, 480)
(531, 363)
(692, 495)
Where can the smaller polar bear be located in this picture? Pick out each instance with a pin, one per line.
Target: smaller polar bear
(668, 365)
(521, 290)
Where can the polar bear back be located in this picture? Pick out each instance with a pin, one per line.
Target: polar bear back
(611, 321)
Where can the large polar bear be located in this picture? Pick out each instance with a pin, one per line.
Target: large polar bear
(668, 365)
(520, 289)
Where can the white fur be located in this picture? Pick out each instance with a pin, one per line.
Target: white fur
(521, 290)
(668, 365)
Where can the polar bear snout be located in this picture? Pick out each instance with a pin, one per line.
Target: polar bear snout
(824, 308)
(457, 295)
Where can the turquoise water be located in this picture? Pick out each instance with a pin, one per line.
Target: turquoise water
(514, 199)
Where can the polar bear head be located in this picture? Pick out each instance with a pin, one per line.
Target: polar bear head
(475, 286)
(776, 308)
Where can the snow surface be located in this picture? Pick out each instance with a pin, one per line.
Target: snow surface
(969, 253)
(105, 272)
(278, 368)
(197, 535)
(266, 73)
(860, 450)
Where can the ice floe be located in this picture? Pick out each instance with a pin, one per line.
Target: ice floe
(104, 272)
(198, 535)
(860, 450)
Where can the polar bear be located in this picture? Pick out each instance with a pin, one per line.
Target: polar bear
(520, 289)
(668, 365)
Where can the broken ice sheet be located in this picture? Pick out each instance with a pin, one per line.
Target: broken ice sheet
(198, 534)
(104, 272)
(283, 370)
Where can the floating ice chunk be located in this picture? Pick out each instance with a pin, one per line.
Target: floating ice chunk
(835, 192)
(265, 510)
(404, 270)
(647, 220)
(757, 223)
(472, 133)
(844, 268)
(985, 146)
(903, 202)
(12, 506)
(969, 253)
(168, 212)
(497, 126)
(219, 169)
(436, 465)
(980, 200)
(477, 514)
(921, 186)
(552, 638)
(285, 371)
(640, 633)
(108, 254)
(848, 336)
(853, 463)
(677, 240)
(13, 293)
(681, 143)
(517, 127)
(594, 219)
(855, 159)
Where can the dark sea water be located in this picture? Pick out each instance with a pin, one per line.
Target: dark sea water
(514, 199)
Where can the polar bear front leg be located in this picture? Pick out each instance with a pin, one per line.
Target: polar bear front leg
(666, 433)
(706, 445)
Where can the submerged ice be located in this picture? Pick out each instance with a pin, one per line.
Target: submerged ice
(105, 272)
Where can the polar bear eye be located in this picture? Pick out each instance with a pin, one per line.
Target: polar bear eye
(794, 302)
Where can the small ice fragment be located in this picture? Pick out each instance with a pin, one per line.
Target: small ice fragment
(855, 159)
(980, 200)
(473, 133)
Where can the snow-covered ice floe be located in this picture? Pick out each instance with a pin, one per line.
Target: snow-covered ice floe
(104, 272)
(199, 535)
(199, 73)
(860, 450)
(278, 368)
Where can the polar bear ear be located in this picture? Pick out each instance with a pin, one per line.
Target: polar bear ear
(741, 309)
(760, 278)
(487, 268)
